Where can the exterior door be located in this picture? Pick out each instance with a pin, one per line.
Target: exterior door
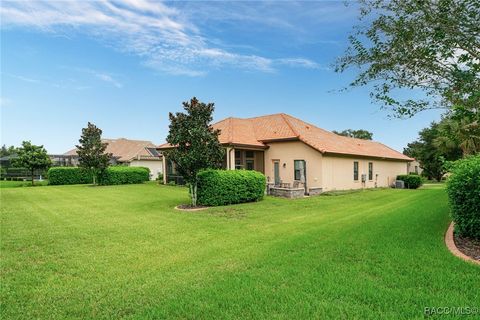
(276, 172)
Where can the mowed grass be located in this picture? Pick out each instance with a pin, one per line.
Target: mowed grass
(16, 184)
(124, 252)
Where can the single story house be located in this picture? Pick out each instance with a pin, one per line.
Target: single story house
(298, 157)
(135, 153)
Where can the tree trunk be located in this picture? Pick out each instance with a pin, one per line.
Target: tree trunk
(94, 178)
(32, 179)
(193, 191)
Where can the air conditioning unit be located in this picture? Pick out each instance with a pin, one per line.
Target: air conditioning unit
(399, 184)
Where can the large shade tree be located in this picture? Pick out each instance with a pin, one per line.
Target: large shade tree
(195, 142)
(432, 152)
(431, 45)
(91, 151)
(32, 157)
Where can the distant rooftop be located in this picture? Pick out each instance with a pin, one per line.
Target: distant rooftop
(126, 150)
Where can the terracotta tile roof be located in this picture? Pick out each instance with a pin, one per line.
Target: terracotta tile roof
(257, 132)
(126, 150)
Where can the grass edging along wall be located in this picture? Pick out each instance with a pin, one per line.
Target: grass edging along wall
(450, 242)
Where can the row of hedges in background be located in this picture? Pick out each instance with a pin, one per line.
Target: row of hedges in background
(412, 181)
(463, 188)
(124, 175)
(222, 187)
(69, 175)
(110, 176)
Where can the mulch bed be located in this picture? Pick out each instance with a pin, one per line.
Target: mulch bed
(470, 247)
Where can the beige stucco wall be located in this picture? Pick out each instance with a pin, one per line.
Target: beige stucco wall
(337, 172)
(329, 172)
(412, 165)
(288, 151)
(155, 166)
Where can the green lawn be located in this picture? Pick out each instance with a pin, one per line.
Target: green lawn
(124, 252)
(16, 184)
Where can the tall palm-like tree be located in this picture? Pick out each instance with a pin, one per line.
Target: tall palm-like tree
(459, 132)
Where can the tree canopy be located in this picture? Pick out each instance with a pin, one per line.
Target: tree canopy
(432, 151)
(7, 151)
(431, 45)
(359, 134)
(91, 151)
(195, 142)
(32, 157)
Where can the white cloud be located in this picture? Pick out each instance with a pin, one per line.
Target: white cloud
(299, 62)
(107, 78)
(101, 75)
(162, 36)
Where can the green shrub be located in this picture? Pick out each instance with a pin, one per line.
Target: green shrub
(412, 181)
(463, 188)
(69, 175)
(221, 187)
(124, 175)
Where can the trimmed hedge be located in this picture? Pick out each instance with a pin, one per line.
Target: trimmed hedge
(463, 188)
(412, 181)
(124, 175)
(222, 187)
(69, 175)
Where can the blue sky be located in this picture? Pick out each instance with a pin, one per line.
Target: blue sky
(125, 65)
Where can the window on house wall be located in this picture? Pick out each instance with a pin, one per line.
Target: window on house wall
(238, 159)
(416, 169)
(299, 170)
(370, 171)
(250, 165)
(355, 170)
(249, 154)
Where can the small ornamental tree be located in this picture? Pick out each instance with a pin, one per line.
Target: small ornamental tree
(196, 145)
(32, 157)
(91, 151)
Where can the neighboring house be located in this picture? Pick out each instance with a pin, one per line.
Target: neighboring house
(135, 153)
(294, 154)
(414, 167)
(8, 171)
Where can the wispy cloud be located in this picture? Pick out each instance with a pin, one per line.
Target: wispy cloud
(163, 36)
(101, 75)
(66, 84)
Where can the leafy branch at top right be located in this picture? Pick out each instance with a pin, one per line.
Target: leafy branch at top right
(432, 46)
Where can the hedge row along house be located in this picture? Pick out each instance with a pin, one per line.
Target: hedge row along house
(299, 158)
(134, 153)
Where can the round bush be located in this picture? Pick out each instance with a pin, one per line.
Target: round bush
(463, 188)
(69, 175)
(412, 181)
(222, 187)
